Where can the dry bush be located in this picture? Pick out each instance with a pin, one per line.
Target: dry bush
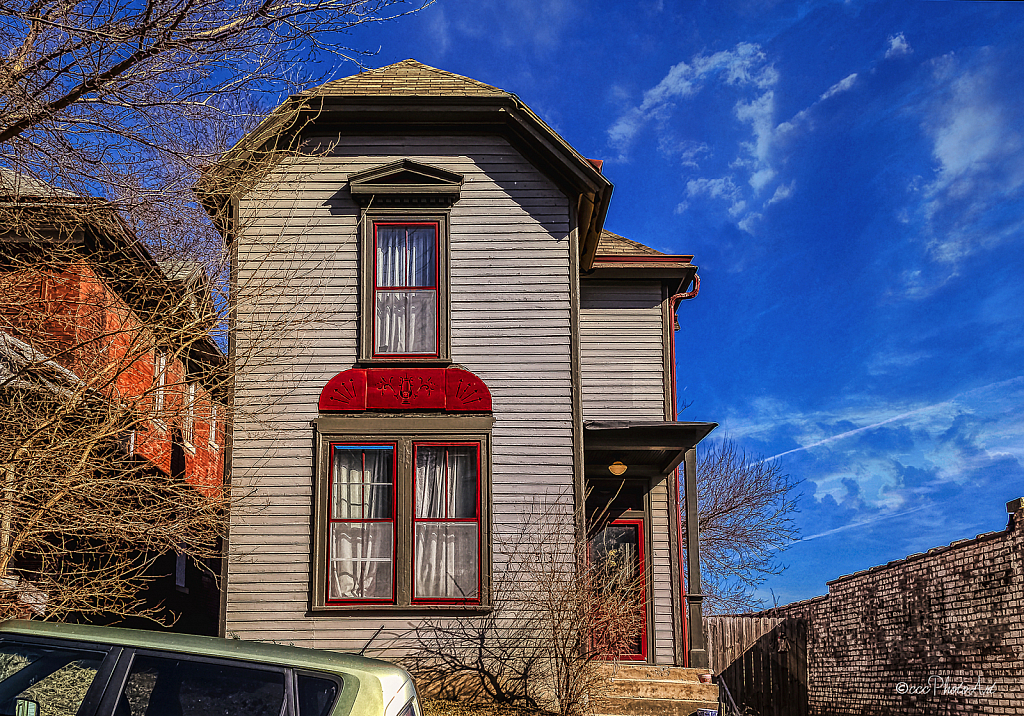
(557, 618)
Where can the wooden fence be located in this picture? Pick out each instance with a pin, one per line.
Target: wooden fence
(727, 637)
(760, 664)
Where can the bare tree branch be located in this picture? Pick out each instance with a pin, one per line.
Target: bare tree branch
(746, 507)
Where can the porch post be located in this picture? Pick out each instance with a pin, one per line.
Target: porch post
(694, 596)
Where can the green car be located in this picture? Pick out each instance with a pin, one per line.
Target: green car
(70, 670)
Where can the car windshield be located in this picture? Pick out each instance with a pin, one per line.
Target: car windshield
(55, 678)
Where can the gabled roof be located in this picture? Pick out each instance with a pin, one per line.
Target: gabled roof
(408, 78)
(409, 97)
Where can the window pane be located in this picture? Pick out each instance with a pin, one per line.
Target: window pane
(446, 560)
(406, 256)
(177, 687)
(446, 482)
(57, 679)
(362, 483)
(406, 322)
(360, 560)
(316, 695)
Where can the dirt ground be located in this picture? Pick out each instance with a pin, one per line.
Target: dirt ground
(440, 707)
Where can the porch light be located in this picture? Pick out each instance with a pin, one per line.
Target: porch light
(617, 468)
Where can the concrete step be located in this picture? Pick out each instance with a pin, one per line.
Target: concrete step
(662, 689)
(649, 671)
(612, 706)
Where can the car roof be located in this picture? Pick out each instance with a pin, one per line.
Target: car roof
(258, 652)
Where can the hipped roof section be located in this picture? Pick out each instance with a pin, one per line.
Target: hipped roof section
(409, 97)
(621, 258)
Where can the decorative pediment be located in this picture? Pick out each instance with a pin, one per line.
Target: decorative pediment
(405, 182)
(448, 389)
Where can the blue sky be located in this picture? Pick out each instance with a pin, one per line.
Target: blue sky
(850, 179)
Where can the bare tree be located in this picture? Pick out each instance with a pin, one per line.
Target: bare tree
(110, 112)
(89, 424)
(129, 101)
(746, 506)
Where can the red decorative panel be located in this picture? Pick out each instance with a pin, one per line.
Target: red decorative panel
(449, 389)
(405, 388)
(464, 391)
(345, 391)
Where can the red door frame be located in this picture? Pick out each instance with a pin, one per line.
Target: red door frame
(642, 537)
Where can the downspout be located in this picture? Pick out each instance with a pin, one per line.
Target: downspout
(673, 306)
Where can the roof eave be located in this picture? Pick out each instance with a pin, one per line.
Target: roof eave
(502, 115)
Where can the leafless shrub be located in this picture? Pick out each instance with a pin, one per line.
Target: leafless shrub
(558, 616)
(746, 506)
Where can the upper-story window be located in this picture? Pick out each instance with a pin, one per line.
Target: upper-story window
(405, 292)
(189, 427)
(404, 258)
(212, 437)
(160, 384)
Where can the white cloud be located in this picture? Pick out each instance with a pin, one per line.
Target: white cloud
(840, 86)
(898, 46)
(723, 188)
(440, 30)
(783, 192)
(978, 150)
(858, 442)
(760, 178)
(743, 66)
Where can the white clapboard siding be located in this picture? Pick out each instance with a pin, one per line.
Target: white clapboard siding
(661, 575)
(297, 301)
(621, 351)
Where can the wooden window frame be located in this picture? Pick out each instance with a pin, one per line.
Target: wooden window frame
(159, 387)
(369, 221)
(331, 519)
(188, 432)
(404, 432)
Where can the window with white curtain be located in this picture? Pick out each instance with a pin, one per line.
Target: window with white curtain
(403, 521)
(446, 522)
(405, 298)
(361, 523)
(404, 286)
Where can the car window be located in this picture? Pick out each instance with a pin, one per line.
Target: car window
(316, 696)
(55, 678)
(158, 686)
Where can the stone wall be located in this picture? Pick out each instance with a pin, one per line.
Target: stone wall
(940, 632)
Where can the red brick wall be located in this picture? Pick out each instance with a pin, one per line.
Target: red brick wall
(935, 633)
(70, 314)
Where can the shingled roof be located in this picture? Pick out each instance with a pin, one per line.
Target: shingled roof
(406, 79)
(614, 245)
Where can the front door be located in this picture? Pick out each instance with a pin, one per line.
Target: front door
(617, 552)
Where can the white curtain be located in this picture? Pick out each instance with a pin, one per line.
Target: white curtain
(446, 559)
(406, 320)
(361, 553)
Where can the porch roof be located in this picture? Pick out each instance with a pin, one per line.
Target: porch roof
(647, 448)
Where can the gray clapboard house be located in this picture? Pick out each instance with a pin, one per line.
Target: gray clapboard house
(433, 336)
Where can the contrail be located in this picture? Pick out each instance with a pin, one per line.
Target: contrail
(848, 433)
(826, 533)
(893, 419)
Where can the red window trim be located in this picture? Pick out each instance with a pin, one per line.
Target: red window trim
(331, 519)
(435, 289)
(476, 520)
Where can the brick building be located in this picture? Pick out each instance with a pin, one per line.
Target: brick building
(82, 297)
